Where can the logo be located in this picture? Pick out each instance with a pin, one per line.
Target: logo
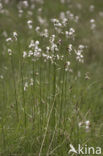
(85, 150)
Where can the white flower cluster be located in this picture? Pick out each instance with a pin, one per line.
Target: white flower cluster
(23, 4)
(42, 21)
(44, 33)
(93, 24)
(11, 39)
(91, 8)
(63, 19)
(24, 54)
(37, 50)
(8, 39)
(34, 51)
(68, 16)
(53, 46)
(1, 77)
(79, 53)
(62, 1)
(2, 10)
(67, 66)
(20, 12)
(37, 29)
(85, 124)
(1, 6)
(56, 22)
(70, 48)
(27, 84)
(14, 37)
(10, 52)
(57, 25)
(29, 23)
(70, 33)
(51, 51)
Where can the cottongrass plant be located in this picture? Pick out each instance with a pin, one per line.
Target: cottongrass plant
(48, 87)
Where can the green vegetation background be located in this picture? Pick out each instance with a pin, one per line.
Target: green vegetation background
(88, 104)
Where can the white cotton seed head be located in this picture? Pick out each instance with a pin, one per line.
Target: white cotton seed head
(68, 63)
(87, 123)
(29, 22)
(10, 52)
(36, 42)
(81, 46)
(25, 4)
(24, 54)
(37, 29)
(1, 76)
(92, 21)
(15, 35)
(8, 39)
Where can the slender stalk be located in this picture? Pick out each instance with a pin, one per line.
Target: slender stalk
(54, 94)
(65, 97)
(23, 94)
(40, 90)
(62, 97)
(22, 82)
(15, 92)
(51, 140)
(3, 137)
(50, 115)
(33, 94)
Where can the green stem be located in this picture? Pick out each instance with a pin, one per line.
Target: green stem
(15, 92)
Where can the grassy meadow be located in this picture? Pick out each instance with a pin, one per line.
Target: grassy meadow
(51, 76)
